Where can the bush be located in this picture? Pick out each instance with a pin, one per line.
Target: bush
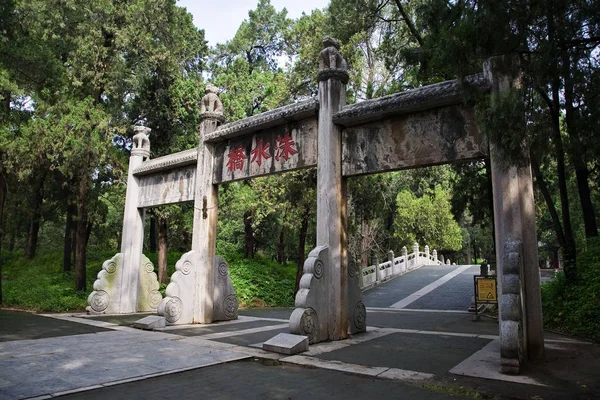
(259, 282)
(574, 308)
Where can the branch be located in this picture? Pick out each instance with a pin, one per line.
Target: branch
(409, 23)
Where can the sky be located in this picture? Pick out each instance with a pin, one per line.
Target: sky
(221, 19)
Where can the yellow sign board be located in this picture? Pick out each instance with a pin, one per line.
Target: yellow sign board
(486, 290)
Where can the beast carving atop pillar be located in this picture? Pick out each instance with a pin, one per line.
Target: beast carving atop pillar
(331, 62)
(210, 105)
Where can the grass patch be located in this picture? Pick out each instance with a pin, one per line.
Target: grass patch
(41, 285)
(574, 308)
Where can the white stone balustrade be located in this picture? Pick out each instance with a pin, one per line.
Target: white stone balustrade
(394, 266)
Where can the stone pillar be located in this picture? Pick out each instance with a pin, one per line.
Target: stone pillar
(416, 251)
(514, 216)
(377, 270)
(405, 255)
(206, 204)
(435, 258)
(331, 186)
(427, 252)
(133, 227)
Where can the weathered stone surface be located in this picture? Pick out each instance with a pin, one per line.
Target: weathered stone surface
(105, 296)
(355, 308)
(412, 101)
(108, 290)
(311, 315)
(511, 312)
(166, 163)
(266, 120)
(178, 305)
(286, 147)
(286, 343)
(210, 102)
(427, 138)
(331, 205)
(181, 294)
(167, 187)
(514, 216)
(148, 295)
(204, 235)
(150, 322)
(225, 301)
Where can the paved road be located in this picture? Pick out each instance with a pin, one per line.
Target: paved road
(415, 352)
(451, 288)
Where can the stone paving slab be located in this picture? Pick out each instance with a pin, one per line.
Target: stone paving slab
(453, 295)
(19, 325)
(278, 313)
(434, 354)
(200, 330)
(253, 338)
(432, 321)
(31, 368)
(251, 380)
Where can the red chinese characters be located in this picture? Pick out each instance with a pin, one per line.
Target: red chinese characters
(236, 156)
(285, 147)
(260, 152)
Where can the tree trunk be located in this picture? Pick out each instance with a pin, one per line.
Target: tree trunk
(248, 235)
(163, 230)
(364, 242)
(81, 233)
(539, 179)
(152, 234)
(281, 246)
(2, 201)
(68, 242)
(569, 250)
(577, 152)
(36, 216)
(302, 246)
(587, 208)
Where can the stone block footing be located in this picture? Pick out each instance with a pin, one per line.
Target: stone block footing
(286, 343)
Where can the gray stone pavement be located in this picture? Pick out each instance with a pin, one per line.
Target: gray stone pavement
(407, 353)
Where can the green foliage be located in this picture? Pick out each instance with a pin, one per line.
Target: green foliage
(427, 220)
(262, 283)
(574, 307)
(501, 118)
(41, 285)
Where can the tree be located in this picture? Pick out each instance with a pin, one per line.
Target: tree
(427, 220)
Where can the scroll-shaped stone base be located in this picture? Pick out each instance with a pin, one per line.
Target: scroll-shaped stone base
(178, 306)
(148, 295)
(355, 308)
(310, 318)
(225, 302)
(511, 312)
(105, 297)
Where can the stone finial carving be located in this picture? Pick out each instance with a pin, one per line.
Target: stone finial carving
(310, 316)
(331, 62)
(355, 308)
(511, 313)
(140, 142)
(210, 105)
